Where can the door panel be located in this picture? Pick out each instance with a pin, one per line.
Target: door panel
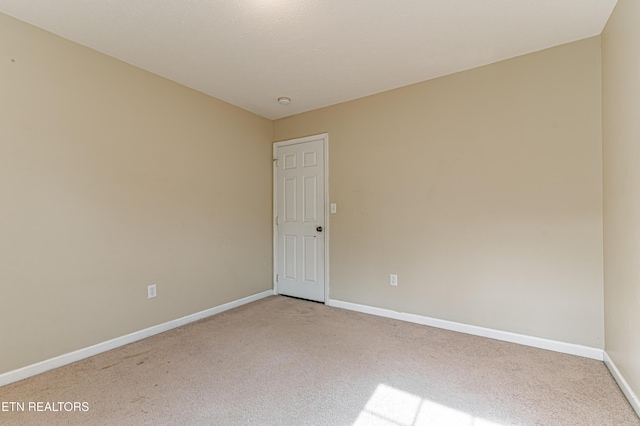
(310, 199)
(300, 208)
(310, 263)
(289, 193)
(290, 267)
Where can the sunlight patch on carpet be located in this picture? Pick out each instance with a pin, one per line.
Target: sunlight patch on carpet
(389, 406)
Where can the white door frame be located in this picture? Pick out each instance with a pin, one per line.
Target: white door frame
(276, 145)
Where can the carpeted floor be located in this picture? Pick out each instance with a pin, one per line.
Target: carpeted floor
(282, 361)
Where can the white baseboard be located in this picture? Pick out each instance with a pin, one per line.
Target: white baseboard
(624, 386)
(59, 361)
(536, 342)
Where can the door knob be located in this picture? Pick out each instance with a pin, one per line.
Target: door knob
(319, 229)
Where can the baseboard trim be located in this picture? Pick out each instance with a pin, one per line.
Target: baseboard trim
(59, 361)
(624, 386)
(536, 342)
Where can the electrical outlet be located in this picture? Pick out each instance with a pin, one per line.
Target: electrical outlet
(151, 291)
(393, 279)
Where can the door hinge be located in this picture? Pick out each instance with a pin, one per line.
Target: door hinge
(277, 277)
(275, 161)
(277, 220)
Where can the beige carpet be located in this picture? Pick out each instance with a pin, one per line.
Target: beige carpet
(282, 361)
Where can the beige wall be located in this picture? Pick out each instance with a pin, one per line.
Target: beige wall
(482, 190)
(621, 143)
(111, 179)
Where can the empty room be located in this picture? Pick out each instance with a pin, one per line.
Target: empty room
(296, 212)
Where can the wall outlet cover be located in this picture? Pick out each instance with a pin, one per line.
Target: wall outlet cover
(151, 291)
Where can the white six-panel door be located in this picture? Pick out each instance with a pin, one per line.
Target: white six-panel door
(300, 218)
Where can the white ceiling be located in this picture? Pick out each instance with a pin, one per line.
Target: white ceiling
(317, 52)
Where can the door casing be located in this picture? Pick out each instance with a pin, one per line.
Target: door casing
(276, 145)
